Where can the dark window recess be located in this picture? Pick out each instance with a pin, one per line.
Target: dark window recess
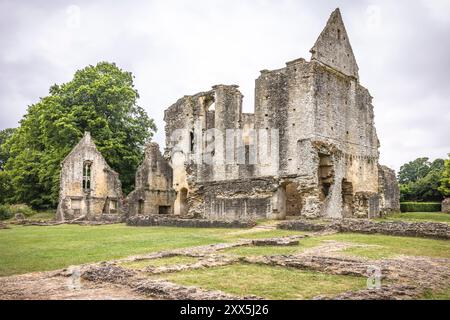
(191, 141)
(87, 168)
(164, 210)
(141, 206)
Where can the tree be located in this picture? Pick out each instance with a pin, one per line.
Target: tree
(4, 152)
(420, 180)
(445, 179)
(414, 170)
(100, 99)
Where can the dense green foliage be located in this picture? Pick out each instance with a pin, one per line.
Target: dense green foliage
(420, 180)
(8, 211)
(4, 152)
(100, 99)
(420, 206)
(445, 179)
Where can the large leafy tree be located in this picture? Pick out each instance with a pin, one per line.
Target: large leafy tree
(4, 152)
(100, 99)
(5, 185)
(414, 170)
(445, 179)
(420, 180)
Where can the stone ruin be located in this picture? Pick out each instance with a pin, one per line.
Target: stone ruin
(310, 149)
(89, 188)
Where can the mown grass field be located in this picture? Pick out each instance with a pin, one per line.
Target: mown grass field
(36, 248)
(419, 216)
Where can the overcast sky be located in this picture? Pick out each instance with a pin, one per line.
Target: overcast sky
(175, 48)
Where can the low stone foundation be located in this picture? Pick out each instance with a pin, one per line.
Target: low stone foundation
(395, 228)
(156, 220)
(156, 288)
(3, 226)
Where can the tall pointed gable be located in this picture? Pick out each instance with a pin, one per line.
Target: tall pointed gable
(333, 48)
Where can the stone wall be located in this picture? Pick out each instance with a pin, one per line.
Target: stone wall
(157, 220)
(389, 190)
(394, 228)
(153, 193)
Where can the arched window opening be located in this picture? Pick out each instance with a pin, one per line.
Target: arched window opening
(87, 168)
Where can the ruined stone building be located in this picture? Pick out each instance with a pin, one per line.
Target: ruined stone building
(89, 188)
(310, 149)
(326, 160)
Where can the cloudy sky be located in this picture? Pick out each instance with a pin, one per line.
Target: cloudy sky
(181, 47)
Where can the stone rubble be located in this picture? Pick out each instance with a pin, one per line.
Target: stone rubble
(154, 287)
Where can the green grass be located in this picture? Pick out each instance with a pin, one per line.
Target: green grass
(166, 261)
(382, 246)
(419, 216)
(36, 248)
(390, 246)
(267, 281)
(25, 249)
(437, 294)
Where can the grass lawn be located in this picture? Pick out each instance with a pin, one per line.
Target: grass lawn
(36, 248)
(267, 281)
(390, 246)
(383, 246)
(419, 216)
(437, 295)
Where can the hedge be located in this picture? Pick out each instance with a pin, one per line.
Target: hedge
(420, 206)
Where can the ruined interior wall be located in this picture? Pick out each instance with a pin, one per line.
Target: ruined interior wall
(154, 191)
(239, 199)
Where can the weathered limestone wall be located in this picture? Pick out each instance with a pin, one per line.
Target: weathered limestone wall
(104, 195)
(389, 190)
(239, 199)
(150, 220)
(153, 192)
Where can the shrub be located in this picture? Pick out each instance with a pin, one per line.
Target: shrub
(8, 211)
(420, 206)
(5, 213)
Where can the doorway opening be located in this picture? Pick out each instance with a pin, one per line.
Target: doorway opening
(293, 199)
(326, 174)
(183, 201)
(141, 203)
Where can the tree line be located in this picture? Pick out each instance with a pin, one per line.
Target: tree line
(424, 180)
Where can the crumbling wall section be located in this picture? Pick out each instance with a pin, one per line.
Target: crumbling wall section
(389, 190)
(153, 192)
